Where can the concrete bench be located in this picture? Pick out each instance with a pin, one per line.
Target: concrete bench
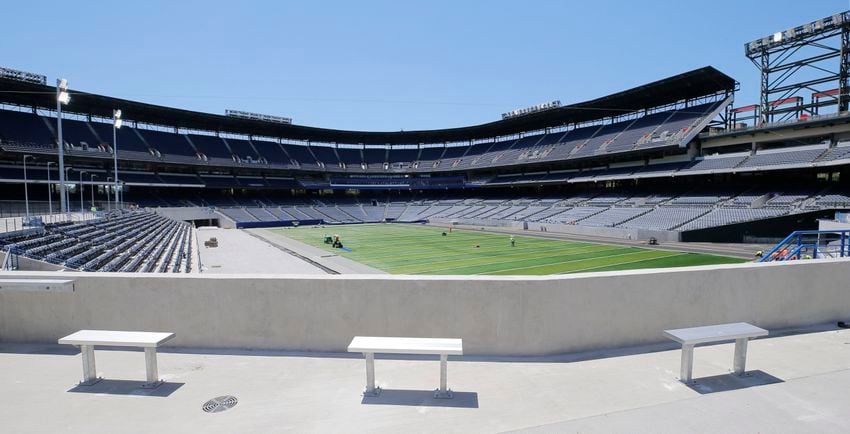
(371, 345)
(87, 339)
(741, 332)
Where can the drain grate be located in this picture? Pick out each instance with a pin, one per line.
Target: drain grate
(219, 404)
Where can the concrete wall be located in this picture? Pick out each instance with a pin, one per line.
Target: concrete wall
(478, 222)
(29, 264)
(187, 213)
(606, 232)
(624, 233)
(501, 316)
(832, 225)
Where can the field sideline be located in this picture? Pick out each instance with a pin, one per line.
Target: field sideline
(417, 249)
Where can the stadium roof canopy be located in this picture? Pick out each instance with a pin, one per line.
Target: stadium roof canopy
(689, 85)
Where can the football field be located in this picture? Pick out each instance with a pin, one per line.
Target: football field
(418, 249)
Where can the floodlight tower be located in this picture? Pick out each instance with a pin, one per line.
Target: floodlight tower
(811, 60)
(62, 97)
(116, 125)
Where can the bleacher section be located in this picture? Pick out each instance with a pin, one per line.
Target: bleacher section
(682, 210)
(169, 146)
(128, 242)
(19, 130)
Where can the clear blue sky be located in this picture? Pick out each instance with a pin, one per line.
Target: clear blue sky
(386, 65)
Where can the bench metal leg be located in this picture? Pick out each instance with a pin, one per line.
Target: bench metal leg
(89, 369)
(371, 390)
(687, 363)
(151, 369)
(443, 392)
(739, 364)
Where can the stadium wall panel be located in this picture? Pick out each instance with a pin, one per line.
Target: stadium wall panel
(30, 264)
(494, 316)
(186, 213)
(276, 224)
(624, 233)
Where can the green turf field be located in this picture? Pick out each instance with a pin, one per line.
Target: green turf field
(417, 249)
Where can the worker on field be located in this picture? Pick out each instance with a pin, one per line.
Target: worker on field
(759, 253)
(513, 241)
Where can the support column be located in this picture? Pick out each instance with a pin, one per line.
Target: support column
(687, 363)
(89, 368)
(443, 392)
(151, 369)
(371, 390)
(740, 362)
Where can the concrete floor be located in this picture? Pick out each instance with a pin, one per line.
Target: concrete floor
(329, 260)
(797, 383)
(239, 252)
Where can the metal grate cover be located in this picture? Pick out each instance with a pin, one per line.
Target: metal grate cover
(219, 404)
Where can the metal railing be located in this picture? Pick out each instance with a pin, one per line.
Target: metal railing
(810, 245)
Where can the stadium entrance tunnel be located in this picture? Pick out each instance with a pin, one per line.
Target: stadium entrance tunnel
(203, 222)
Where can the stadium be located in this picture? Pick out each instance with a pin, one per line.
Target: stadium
(562, 243)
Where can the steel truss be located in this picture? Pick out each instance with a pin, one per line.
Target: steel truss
(803, 69)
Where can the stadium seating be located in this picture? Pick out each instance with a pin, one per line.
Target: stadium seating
(614, 216)
(715, 163)
(211, 147)
(25, 127)
(767, 158)
(665, 219)
(168, 146)
(726, 216)
(133, 241)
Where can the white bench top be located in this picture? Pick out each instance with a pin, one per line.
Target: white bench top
(116, 338)
(54, 285)
(714, 333)
(373, 344)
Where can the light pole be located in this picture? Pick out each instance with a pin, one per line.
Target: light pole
(49, 189)
(67, 205)
(62, 97)
(93, 176)
(116, 125)
(121, 195)
(26, 193)
(108, 200)
(82, 210)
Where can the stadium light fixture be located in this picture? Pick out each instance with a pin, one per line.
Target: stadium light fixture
(116, 125)
(62, 97)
